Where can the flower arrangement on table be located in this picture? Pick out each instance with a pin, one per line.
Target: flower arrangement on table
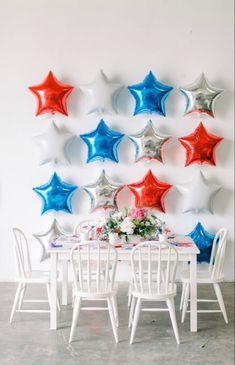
(136, 222)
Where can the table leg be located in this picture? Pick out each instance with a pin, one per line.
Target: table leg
(193, 293)
(53, 313)
(64, 282)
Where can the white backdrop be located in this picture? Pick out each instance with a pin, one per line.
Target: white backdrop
(126, 38)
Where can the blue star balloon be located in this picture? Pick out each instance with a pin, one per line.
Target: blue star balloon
(150, 95)
(102, 143)
(56, 195)
(204, 241)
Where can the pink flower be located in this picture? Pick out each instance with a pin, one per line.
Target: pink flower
(136, 214)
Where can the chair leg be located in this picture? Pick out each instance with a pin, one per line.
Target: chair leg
(220, 300)
(22, 296)
(133, 302)
(182, 296)
(129, 295)
(185, 303)
(135, 320)
(48, 294)
(18, 290)
(112, 319)
(76, 310)
(115, 309)
(171, 307)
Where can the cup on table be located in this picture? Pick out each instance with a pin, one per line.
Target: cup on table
(162, 237)
(84, 236)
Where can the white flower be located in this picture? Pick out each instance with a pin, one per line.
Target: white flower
(127, 226)
(117, 216)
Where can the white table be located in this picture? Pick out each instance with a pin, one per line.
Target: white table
(185, 254)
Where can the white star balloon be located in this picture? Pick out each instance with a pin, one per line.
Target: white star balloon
(45, 238)
(198, 194)
(102, 94)
(54, 145)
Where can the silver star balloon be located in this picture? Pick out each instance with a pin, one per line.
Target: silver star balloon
(198, 194)
(149, 144)
(103, 193)
(45, 238)
(201, 96)
(101, 93)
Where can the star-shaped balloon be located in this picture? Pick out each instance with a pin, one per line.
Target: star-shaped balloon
(53, 145)
(50, 235)
(102, 143)
(51, 95)
(103, 193)
(102, 94)
(201, 96)
(204, 241)
(150, 95)
(198, 194)
(56, 195)
(149, 192)
(200, 146)
(149, 144)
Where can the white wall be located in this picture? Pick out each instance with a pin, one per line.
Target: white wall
(127, 38)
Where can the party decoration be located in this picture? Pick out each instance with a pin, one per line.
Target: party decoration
(149, 192)
(201, 96)
(53, 145)
(56, 195)
(148, 144)
(198, 194)
(102, 143)
(102, 94)
(45, 238)
(150, 95)
(200, 146)
(103, 193)
(204, 241)
(51, 95)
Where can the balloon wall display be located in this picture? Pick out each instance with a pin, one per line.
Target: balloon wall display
(204, 241)
(102, 143)
(56, 195)
(51, 95)
(53, 145)
(103, 193)
(198, 194)
(149, 192)
(200, 146)
(150, 96)
(149, 144)
(201, 96)
(102, 94)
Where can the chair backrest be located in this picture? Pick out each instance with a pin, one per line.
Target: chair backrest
(218, 254)
(93, 266)
(88, 223)
(21, 249)
(154, 266)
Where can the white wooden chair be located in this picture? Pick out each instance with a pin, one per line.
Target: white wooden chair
(25, 275)
(90, 284)
(153, 281)
(214, 275)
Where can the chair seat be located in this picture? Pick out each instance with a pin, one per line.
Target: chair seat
(35, 276)
(164, 294)
(203, 277)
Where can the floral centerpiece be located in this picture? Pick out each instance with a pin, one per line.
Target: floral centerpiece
(131, 222)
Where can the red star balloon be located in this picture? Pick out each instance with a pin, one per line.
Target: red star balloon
(150, 193)
(51, 95)
(200, 146)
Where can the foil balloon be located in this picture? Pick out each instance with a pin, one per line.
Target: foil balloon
(198, 194)
(149, 192)
(204, 241)
(51, 95)
(149, 144)
(200, 146)
(56, 195)
(150, 96)
(53, 145)
(102, 143)
(45, 238)
(201, 96)
(103, 193)
(102, 94)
